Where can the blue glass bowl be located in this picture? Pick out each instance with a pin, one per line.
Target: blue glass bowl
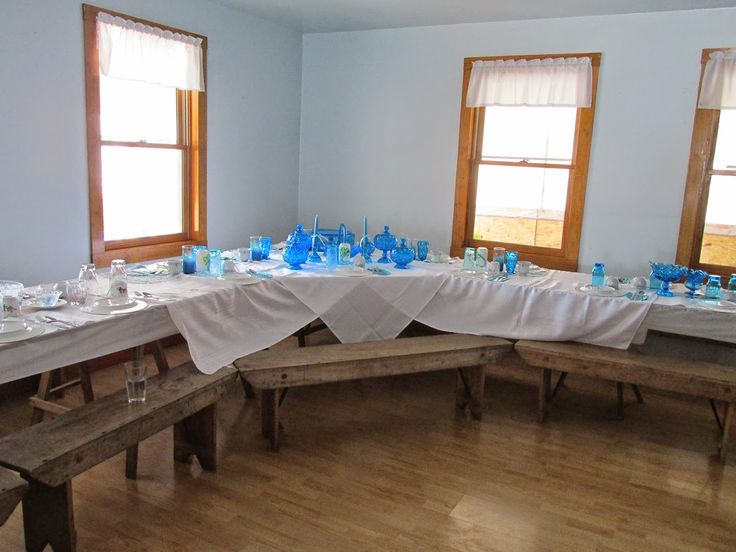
(402, 255)
(295, 256)
(667, 273)
(694, 281)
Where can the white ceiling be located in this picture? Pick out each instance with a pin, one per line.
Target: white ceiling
(318, 16)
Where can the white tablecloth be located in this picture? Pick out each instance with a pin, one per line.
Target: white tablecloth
(225, 319)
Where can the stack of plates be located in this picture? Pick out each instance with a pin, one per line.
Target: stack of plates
(719, 306)
(18, 330)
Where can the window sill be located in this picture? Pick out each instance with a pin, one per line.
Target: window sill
(142, 252)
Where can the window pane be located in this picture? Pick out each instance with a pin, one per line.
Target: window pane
(141, 192)
(725, 155)
(137, 112)
(521, 205)
(535, 134)
(719, 236)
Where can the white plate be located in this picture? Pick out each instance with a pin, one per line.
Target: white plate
(103, 306)
(719, 306)
(36, 305)
(242, 278)
(28, 330)
(601, 291)
(9, 327)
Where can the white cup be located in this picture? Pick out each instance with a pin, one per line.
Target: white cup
(176, 266)
(522, 268)
(494, 268)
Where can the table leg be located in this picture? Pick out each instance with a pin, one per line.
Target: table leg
(727, 426)
(545, 381)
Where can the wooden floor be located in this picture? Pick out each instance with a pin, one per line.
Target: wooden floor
(389, 464)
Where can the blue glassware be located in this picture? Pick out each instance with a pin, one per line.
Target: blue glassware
(385, 241)
(694, 281)
(216, 268)
(422, 250)
(301, 237)
(331, 255)
(512, 257)
(265, 247)
(295, 256)
(256, 253)
(314, 255)
(666, 273)
(402, 255)
(598, 275)
(713, 288)
(189, 260)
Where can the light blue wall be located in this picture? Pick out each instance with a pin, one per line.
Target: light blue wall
(380, 116)
(254, 84)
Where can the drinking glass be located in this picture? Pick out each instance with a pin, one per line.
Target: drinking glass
(265, 243)
(713, 288)
(511, 258)
(256, 253)
(216, 268)
(524, 267)
(422, 250)
(135, 381)
(76, 292)
(190, 260)
(118, 279)
(499, 255)
(331, 255)
(12, 293)
(88, 273)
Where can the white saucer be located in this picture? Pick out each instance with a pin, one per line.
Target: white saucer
(26, 331)
(601, 291)
(105, 306)
(36, 305)
(719, 306)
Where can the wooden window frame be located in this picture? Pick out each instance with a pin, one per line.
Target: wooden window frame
(697, 185)
(192, 141)
(471, 121)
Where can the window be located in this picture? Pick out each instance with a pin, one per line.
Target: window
(146, 142)
(708, 224)
(522, 164)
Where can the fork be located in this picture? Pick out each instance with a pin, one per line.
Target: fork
(52, 320)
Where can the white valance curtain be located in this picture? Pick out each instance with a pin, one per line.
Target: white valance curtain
(562, 82)
(135, 51)
(718, 89)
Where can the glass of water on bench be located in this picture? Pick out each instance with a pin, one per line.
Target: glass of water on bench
(135, 381)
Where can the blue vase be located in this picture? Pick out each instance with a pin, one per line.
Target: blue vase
(694, 281)
(297, 248)
(385, 242)
(402, 255)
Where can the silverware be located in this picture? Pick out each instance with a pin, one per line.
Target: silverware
(52, 320)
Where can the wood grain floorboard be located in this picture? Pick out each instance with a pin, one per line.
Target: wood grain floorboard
(389, 464)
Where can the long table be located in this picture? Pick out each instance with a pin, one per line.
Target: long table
(224, 319)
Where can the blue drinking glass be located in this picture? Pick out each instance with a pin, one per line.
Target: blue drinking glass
(422, 250)
(189, 260)
(331, 255)
(713, 288)
(216, 268)
(512, 257)
(256, 253)
(265, 244)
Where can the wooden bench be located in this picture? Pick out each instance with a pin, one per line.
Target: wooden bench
(274, 371)
(50, 454)
(12, 489)
(700, 379)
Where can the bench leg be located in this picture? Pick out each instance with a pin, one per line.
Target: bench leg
(48, 517)
(470, 390)
(131, 462)
(637, 392)
(270, 399)
(545, 381)
(727, 423)
(619, 400)
(196, 435)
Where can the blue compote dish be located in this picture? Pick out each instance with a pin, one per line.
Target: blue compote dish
(385, 241)
(667, 273)
(694, 281)
(402, 255)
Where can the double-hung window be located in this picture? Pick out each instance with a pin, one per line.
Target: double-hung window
(146, 137)
(525, 133)
(708, 224)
